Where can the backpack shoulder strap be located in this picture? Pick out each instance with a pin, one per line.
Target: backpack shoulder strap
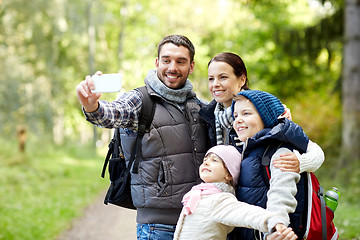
(146, 117)
(265, 161)
(323, 213)
(147, 110)
(114, 150)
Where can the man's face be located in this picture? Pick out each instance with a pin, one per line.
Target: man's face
(173, 65)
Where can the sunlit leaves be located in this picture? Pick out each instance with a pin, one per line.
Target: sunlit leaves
(47, 42)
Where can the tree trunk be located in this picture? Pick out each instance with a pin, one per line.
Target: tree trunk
(351, 84)
(59, 126)
(92, 42)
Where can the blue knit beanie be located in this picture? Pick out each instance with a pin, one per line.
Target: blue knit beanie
(268, 106)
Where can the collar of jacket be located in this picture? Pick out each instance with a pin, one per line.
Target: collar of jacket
(285, 131)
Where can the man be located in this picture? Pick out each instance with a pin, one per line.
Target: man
(172, 151)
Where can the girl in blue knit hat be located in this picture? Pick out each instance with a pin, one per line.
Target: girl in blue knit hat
(257, 124)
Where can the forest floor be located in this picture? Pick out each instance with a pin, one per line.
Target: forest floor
(100, 221)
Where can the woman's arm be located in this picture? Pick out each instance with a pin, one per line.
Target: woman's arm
(312, 159)
(306, 162)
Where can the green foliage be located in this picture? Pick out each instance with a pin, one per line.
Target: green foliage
(44, 189)
(311, 112)
(48, 42)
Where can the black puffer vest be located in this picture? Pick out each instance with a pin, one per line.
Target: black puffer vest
(170, 156)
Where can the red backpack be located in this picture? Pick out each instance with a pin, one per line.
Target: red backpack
(319, 218)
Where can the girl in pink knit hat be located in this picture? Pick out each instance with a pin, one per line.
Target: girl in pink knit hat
(211, 210)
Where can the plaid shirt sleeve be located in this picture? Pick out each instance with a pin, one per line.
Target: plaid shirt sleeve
(123, 112)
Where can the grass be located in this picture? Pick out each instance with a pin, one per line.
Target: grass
(347, 220)
(347, 214)
(45, 188)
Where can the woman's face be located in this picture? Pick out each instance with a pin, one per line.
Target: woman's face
(247, 120)
(223, 83)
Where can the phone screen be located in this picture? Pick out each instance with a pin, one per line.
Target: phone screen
(107, 82)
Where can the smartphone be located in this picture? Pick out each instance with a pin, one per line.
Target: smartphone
(107, 82)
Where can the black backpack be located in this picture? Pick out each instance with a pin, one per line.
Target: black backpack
(119, 192)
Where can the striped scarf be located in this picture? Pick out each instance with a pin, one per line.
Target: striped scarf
(223, 120)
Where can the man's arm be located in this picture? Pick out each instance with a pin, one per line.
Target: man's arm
(123, 112)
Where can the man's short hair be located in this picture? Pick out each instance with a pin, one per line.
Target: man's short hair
(178, 40)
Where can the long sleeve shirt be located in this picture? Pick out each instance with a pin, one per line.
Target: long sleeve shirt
(123, 112)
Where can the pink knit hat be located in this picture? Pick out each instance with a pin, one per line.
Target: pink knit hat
(231, 157)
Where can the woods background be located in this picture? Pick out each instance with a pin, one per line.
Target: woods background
(305, 52)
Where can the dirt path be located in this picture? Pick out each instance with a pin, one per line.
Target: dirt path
(101, 222)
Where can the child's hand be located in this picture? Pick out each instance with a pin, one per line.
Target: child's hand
(287, 162)
(282, 232)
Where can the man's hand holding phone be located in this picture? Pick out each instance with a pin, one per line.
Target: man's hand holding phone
(107, 82)
(89, 90)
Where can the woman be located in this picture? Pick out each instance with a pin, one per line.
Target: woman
(227, 76)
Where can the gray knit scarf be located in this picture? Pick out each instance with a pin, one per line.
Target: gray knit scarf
(177, 96)
(223, 120)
